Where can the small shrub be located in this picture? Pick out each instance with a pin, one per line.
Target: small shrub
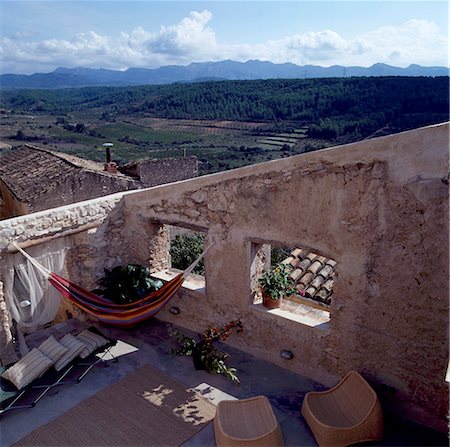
(185, 249)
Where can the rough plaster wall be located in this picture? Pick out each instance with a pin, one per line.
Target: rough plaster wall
(260, 256)
(384, 218)
(270, 207)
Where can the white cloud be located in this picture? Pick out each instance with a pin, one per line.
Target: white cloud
(191, 37)
(415, 41)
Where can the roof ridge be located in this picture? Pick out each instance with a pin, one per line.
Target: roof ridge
(49, 151)
(83, 162)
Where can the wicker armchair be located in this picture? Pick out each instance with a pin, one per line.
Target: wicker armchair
(346, 414)
(247, 423)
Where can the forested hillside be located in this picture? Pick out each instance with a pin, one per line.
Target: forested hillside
(343, 109)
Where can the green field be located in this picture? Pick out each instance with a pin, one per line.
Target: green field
(147, 135)
(217, 147)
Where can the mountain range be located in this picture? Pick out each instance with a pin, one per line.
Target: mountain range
(204, 71)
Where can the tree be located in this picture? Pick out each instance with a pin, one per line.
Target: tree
(79, 128)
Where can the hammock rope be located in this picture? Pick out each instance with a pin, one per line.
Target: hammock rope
(107, 312)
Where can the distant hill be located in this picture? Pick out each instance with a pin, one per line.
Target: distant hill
(195, 72)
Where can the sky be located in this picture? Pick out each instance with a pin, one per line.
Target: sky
(39, 36)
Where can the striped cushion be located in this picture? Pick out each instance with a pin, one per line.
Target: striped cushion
(74, 348)
(92, 342)
(52, 349)
(28, 368)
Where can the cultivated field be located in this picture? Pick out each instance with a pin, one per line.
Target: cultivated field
(219, 145)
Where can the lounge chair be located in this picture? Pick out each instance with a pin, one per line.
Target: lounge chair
(14, 398)
(346, 414)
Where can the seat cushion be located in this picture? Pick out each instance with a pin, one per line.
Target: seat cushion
(52, 349)
(74, 348)
(28, 368)
(92, 342)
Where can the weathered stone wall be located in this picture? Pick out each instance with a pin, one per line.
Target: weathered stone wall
(378, 207)
(167, 170)
(7, 351)
(84, 185)
(9, 205)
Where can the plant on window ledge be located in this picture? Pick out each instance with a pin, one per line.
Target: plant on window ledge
(205, 354)
(276, 283)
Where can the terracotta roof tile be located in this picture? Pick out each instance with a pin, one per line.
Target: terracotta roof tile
(313, 274)
(297, 252)
(29, 171)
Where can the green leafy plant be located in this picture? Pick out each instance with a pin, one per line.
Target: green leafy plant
(185, 249)
(276, 281)
(204, 353)
(129, 283)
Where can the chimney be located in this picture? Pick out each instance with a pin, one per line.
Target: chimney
(110, 166)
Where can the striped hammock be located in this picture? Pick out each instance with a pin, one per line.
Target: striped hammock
(107, 312)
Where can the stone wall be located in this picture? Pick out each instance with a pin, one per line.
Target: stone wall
(7, 351)
(167, 170)
(378, 207)
(10, 206)
(85, 185)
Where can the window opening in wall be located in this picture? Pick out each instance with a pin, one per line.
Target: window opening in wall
(184, 247)
(311, 280)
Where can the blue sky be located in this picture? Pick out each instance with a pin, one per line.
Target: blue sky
(40, 36)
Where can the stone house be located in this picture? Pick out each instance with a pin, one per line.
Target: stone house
(378, 208)
(33, 179)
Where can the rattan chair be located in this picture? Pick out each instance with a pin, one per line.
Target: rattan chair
(346, 414)
(247, 423)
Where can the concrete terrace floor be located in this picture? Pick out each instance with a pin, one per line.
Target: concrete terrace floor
(150, 343)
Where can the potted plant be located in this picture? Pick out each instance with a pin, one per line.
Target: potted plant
(205, 354)
(276, 283)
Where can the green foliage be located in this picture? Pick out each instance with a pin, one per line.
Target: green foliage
(276, 282)
(185, 249)
(324, 112)
(204, 353)
(278, 254)
(129, 283)
(342, 109)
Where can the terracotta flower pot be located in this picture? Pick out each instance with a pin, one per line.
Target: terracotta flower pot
(269, 302)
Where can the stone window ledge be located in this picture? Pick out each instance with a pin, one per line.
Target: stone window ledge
(315, 320)
(194, 283)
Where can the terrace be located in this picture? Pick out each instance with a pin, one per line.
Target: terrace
(379, 208)
(151, 344)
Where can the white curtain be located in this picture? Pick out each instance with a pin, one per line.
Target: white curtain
(31, 299)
